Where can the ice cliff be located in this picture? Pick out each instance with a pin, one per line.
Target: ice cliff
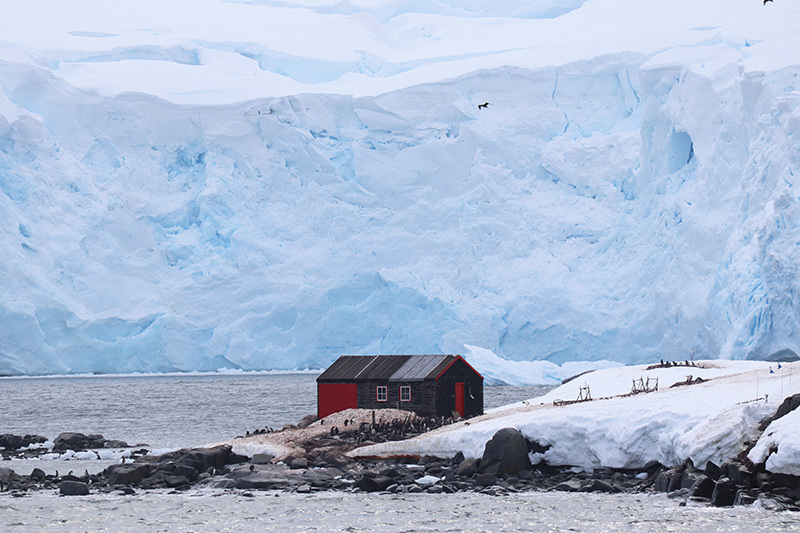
(267, 185)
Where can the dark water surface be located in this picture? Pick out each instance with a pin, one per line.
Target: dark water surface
(172, 411)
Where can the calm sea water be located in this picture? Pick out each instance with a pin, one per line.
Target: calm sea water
(172, 411)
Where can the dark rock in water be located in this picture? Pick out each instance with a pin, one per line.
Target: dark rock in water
(261, 478)
(176, 481)
(713, 471)
(78, 441)
(202, 458)
(786, 480)
(7, 476)
(127, 474)
(383, 483)
(15, 442)
(115, 444)
(467, 468)
(485, 480)
(738, 473)
(572, 485)
(322, 477)
(367, 484)
(690, 477)
(70, 441)
(505, 453)
(599, 485)
(11, 442)
(73, 488)
(744, 498)
(724, 493)
(703, 487)
(668, 481)
(389, 472)
(186, 471)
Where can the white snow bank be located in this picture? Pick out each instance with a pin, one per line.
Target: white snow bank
(498, 371)
(703, 422)
(779, 446)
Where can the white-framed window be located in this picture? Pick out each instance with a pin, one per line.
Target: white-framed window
(381, 393)
(405, 393)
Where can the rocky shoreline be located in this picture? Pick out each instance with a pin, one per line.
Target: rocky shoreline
(323, 465)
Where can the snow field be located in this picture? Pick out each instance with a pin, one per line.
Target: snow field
(710, 421)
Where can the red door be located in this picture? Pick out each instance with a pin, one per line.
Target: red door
(335, 397)
(460, 398)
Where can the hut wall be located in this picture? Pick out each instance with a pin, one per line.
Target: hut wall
(473, 390)
(423, 396)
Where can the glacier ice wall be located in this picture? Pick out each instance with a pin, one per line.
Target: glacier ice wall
(628, 207)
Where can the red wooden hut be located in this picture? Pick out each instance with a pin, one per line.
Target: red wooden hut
(429, 385)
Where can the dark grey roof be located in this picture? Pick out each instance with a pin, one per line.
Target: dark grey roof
(420, 367)
(388, 367)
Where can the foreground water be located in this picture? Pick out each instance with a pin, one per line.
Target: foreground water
(265, 511)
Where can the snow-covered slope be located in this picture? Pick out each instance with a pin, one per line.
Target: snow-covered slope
(709, 421)
(267, 185)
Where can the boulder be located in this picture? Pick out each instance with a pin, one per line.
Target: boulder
(383, 482)
(703, 487)
(202, 459)
(485, 480)
(186, 471)
(38, 474)
(744, 498)
(738, 473)
(11, 442)
(6, 474)
(724, 493)
(506, 453)
(300, 462)
(70, 441)
(127, 474)
(690, 477)
(73, 488)
(467, 468)
(262, 458)
(176, 481)
(571, 485)
(599, 485)
(668, 481)
(307, 421)
(367, 484)
(713, 471)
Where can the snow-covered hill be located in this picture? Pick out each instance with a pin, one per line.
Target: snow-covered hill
(267, 185)
(710, 421)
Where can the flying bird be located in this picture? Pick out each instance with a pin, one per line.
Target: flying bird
(485, 105)
(765, 1)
